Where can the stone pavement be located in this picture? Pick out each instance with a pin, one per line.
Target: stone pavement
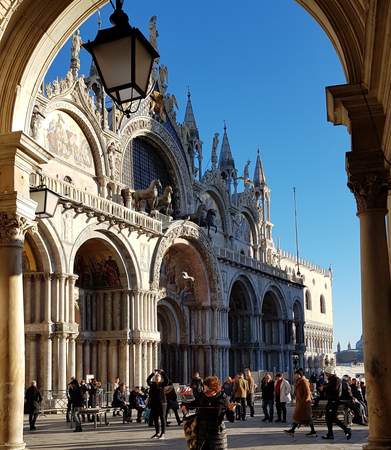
(53, 433)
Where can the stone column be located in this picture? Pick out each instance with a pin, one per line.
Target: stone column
(94, 349)
(103, 363)
(149, 358)
(27, 297)
(20, 156)
(108, 311)
(137, 364)
(113, 361)
(62, 298)
(87, 369)
(46, 363)
(125, 310)
(370, 182)
(117, 310)
(124, 362)
(144, 362)
(47, 287)
(71, 297)
(37, 295)
(32, 368)
(132, 380)
(155, 360)
(71, 366)
(79, 360)
(62, 364)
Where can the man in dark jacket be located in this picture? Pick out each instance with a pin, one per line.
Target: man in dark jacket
(33, 401)
(333, 391)
(267, 389)
(196, 385)
(77, 401)
(119, 401)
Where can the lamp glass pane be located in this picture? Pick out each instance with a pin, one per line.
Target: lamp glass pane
(143, 67)
(115, 62)
(51, 202)
(39, 197)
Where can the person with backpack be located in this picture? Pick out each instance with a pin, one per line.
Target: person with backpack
(333, 391)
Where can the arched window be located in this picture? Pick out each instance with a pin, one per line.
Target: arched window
(322, 305)
(308, 301)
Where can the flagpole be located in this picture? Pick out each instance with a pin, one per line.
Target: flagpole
(297, 235)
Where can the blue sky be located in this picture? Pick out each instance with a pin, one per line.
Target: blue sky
(262, 66)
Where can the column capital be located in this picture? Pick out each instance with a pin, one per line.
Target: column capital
(368, 179)
(13, 228)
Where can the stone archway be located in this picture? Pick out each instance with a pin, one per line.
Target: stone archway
(102, 313)
(243, 349)
(273, 335)
(171, 325)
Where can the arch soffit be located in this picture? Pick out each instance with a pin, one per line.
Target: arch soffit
(145, 126)
(36, 30)
(122, 251)
(344, 24)
(87, 126)
(248, 284)
(281, 301)
(176, 315)
(252, 220)
(192, 233)
(299, 303)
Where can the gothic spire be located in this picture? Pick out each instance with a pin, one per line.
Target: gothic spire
(226, 161)
(189, 114)
(259, 174)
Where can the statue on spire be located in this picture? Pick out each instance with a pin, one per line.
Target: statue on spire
(215, 143)
(246, 174)
(75, 51)
(153, 33)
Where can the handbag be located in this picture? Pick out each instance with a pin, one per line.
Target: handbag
(190, 430)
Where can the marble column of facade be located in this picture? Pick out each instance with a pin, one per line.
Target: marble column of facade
(113, 361)
(370, 183)
(94, 310)
(71, 297)
(71, 363)
(62, 363)
(27, 297)
(55, 289)
(155, 360)
(149, 358)
(87, 369)
(136, 318)
(144, 362)
(62, 297)
(137, 368)
(37, 297)
(32, 360)
(103, 363)
(185, 364)
(79, 360)
(108, 307)
(125, 308)
(47, 293)
(132, 379)
(117, 310)
(123, 362)
(46, 362)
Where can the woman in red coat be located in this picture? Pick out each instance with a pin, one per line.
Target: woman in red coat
(303, 409)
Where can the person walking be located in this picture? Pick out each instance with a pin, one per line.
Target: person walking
(77, 401)
(267, 390)
(196, 384)
(172, 403)
(240, 391)
(282, 392)
(33, 402)
(157, 381)
(303, 410)
(212, 407)
(251, 390)
(333, 391)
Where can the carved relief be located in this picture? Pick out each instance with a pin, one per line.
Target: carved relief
(14, 227)
(370, 191)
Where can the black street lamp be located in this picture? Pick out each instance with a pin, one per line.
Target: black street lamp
(123, 58)
(46, 200)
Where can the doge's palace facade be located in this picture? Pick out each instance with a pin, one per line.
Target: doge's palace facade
(116, 285)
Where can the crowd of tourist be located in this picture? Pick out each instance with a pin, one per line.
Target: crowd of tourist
(211, 402)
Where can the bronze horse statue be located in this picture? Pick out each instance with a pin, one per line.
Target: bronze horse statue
(149, 195)
(204, 217)
(164, 203)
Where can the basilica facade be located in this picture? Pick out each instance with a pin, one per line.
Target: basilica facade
(150, 261)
